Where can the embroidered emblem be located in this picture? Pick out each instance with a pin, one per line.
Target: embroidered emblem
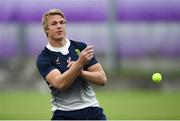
(58, 60)
(77, 51)
(69, 60)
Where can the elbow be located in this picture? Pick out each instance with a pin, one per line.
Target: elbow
(62, 89)
(59, 83)
(103, 81)
(60, 86)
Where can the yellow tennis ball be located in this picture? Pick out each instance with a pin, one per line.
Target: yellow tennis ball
(156, 77)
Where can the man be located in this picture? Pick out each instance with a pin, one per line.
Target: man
(69, 68)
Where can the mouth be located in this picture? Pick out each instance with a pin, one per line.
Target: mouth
(59, 32)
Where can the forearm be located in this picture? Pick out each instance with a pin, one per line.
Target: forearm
(67, 78)
(97, 78)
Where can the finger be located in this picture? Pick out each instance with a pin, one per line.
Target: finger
(87, 50)
(89, 56)
(69, 64)
(88, 47)
(90, 51)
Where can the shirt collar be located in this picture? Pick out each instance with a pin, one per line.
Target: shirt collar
(64, 50)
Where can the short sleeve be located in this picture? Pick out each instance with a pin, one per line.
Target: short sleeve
(44, 65)
(81, 46)
(92, 62)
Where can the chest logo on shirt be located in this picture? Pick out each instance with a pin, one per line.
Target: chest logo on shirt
(69, 60)
(57, 61)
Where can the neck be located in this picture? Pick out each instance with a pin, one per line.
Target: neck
(57, 43)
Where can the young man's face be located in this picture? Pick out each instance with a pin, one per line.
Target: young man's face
(56, 27)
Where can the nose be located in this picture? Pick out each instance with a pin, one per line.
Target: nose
(59, 25)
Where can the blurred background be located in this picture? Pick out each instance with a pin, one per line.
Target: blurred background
(132, 39)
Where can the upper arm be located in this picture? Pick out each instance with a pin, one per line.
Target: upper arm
(94, 68)
(96, 75)
(47, 69)
(52, 76)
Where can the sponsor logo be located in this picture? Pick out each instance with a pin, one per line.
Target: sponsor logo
(77, 51)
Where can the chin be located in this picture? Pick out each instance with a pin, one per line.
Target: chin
(59, 38)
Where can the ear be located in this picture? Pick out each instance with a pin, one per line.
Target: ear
(46, 30)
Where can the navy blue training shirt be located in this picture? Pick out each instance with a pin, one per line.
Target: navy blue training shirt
(80, 94)
(49, 60)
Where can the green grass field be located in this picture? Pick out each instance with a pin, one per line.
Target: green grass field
(29, 105)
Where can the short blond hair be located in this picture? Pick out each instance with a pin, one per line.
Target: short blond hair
(49, 13)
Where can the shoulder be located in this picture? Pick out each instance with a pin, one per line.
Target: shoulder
(78, 44)
(44, 56)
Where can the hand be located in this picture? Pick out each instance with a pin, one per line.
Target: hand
(81, 73)
(70, 63)
(86, 55)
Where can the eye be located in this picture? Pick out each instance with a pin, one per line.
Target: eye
(62, 22)
(54, 23)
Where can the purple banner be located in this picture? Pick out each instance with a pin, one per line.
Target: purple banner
(91, 10)
(148, 10)
(32, 10)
